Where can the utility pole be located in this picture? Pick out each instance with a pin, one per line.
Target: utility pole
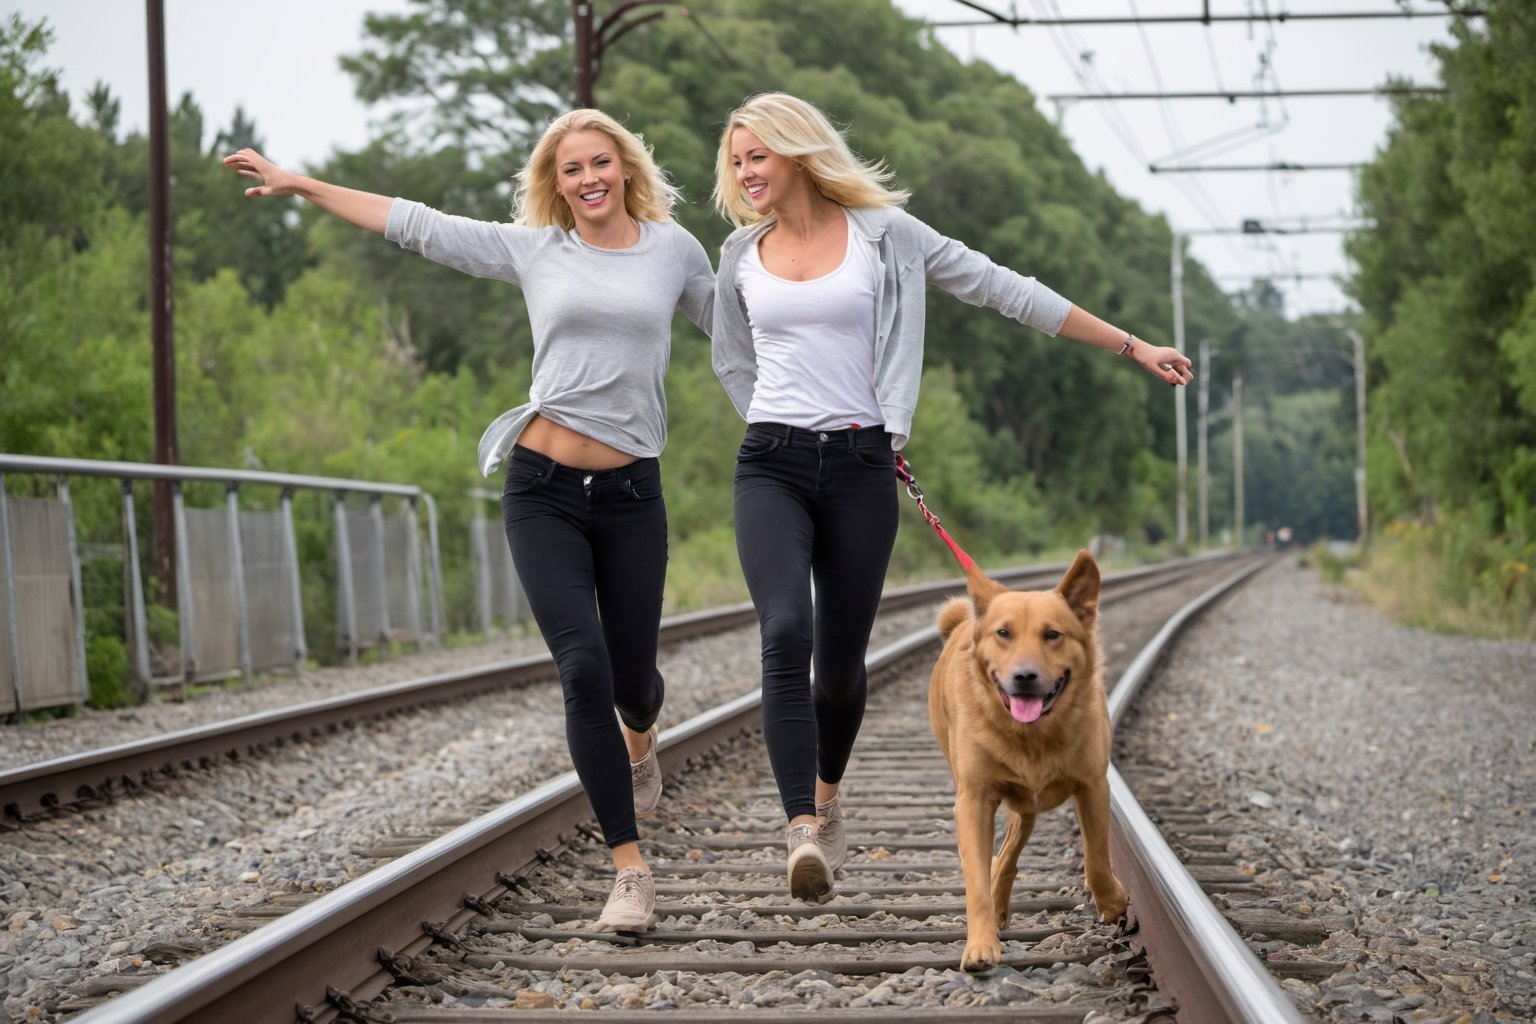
(1181, 442)
(1202, 430)
(1361, 520)
(163, 542)
(1237, 458)
(586, 60)
(594, 35)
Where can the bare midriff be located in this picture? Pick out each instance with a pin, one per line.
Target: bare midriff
(571, 448)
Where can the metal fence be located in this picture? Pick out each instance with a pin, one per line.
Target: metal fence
(238, 582)
(499, 593)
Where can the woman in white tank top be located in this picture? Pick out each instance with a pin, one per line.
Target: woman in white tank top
(817, 338)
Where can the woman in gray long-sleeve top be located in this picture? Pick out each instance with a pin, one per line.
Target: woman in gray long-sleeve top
(818, 340)
(603, 268)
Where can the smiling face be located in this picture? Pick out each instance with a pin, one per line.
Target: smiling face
(591, 178)
(1028, 645)
(767, 178)
(1031, 644)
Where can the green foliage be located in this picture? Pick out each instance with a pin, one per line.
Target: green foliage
(106, 666)
(1455, 575)
(306, 346)
(1448, 284)
(1330, 566)
(1298, 467)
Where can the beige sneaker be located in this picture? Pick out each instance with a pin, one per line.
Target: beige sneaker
(810, 877)
(830, 835)
(632, 905)
(645, 776)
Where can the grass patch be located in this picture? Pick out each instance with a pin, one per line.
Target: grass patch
(1450, 578)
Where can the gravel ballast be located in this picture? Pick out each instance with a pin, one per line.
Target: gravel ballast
(1389, 774)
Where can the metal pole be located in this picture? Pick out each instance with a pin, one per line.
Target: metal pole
(184, 606)
(479, 551)
(163, 547)
(291, 556)
(1237, 458)
(581, 15)
(413, 572)
(381, 577)
(1202, 431)
(237, 565)
(346, 607)
(1181, 442)
(1361, 518)
(137, 628)
(12, 633)
(435, 568)
(76, 592)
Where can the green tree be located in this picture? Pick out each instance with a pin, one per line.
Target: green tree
(1447, 283)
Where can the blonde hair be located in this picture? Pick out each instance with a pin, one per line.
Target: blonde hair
(536, 201)
(794, 128)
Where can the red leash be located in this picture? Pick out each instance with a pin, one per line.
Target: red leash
(904, 474)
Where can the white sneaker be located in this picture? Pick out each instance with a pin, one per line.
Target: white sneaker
(645, 776)
(830, 835)
(632, 905)
(810, 877)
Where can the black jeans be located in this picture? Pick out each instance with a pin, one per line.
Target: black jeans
(590, 548)
(814, 508)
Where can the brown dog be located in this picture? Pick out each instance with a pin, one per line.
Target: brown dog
(1017, 704)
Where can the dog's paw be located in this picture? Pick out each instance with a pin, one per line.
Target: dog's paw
(981, 954)
(1110, 903)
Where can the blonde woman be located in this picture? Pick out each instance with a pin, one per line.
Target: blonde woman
(603, 268)
(818, 340)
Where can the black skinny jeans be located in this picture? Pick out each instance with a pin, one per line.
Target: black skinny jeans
(590, 548)
(814, 507)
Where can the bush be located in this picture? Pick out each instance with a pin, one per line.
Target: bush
(107, 669)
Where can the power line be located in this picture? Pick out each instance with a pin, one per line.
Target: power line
(1014, 21)
(1278, 165)
(1233, 95)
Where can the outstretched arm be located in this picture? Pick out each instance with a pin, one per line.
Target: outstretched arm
(365, 209)
(1164, 363)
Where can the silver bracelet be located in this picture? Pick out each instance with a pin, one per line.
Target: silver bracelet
(1126, 348)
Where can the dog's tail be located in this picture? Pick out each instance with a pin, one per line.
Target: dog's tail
(955, 611)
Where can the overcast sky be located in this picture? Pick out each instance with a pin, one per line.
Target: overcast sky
(278, 60)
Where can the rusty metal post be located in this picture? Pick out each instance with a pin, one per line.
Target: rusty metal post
(163, 546)
(581, 15)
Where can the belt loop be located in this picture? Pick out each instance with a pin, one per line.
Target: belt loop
(789, 435)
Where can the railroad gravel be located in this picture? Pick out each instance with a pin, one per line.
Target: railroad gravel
(1388, 775)
(91, 897)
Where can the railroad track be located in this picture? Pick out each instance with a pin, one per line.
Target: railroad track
(490, 917)
(115, 772)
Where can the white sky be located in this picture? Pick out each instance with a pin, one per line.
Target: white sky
(278, 60)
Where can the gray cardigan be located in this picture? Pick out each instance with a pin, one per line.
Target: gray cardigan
(908, 255)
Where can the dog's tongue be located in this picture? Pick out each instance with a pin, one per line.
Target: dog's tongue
(1025, 709)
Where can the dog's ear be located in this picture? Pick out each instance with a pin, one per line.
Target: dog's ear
(983, 589)
(1080, 588)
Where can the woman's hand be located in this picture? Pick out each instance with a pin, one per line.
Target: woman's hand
(274, 180)
(365, 209)
(1163, 362)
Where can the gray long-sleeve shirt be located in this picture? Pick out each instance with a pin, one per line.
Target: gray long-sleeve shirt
(601, 318)
(908, 255)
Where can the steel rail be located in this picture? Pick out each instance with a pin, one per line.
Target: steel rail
(1196, 956)
(345, 933)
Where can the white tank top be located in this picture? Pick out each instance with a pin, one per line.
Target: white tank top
(814, 342)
